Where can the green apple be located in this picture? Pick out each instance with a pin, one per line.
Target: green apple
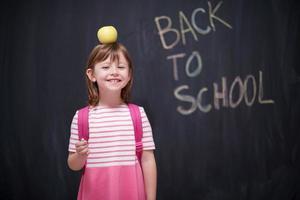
(107, 34)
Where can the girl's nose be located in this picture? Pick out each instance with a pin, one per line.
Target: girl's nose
(114, 70)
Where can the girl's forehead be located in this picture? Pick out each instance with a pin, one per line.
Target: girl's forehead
(118, 58)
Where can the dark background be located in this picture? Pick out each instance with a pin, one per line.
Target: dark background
(245, 153)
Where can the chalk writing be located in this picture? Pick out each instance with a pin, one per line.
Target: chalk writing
(223, 94)
(187, 27)
(222, 97)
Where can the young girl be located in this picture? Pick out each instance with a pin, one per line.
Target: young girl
(112, 170)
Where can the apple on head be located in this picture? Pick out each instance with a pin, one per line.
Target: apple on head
(107, 34)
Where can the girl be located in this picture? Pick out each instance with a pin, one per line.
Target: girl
(112, 171)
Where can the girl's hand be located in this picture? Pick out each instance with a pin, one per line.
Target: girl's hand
(82, 148)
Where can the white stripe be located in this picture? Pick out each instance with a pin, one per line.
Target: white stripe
(125, 153)
(111, 159)
(112, 164)
(106, 119)
(110, 139)
(149, 148)
(116, 133)
(73, 141)
(74, 137)
(110, 123)
(147, 133)
(146, 144)
(118, 148)
(147, 129)
(74, 126)
(148, 139)
(112, 114)
(111, 128)
(108, 144)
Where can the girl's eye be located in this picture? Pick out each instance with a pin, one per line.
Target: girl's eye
(105, 67)
(122, 67)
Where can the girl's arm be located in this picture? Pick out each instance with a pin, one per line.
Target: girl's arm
(76, 160)
(150, 174)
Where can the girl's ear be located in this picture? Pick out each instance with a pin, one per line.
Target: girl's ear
(89, 73)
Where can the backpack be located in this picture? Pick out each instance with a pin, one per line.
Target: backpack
(83, 126)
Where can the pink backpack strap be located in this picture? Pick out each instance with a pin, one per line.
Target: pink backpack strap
(138, 131)
(83, 123)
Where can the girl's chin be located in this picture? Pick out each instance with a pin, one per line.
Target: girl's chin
(112, 89)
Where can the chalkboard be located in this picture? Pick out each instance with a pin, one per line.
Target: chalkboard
(219, 81)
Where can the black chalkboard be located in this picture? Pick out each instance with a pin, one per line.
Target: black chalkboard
(219, 80)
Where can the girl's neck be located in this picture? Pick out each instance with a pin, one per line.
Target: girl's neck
(110, 99)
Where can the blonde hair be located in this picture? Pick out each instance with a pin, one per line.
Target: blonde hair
(100, 53)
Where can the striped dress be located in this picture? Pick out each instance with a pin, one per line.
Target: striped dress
(112, 169)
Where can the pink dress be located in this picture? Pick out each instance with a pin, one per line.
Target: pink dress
(112, 170)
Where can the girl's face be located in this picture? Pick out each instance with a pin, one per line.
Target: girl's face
(111, 76)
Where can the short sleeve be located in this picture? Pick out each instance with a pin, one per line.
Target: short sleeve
(74, 133)
(147, 139)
